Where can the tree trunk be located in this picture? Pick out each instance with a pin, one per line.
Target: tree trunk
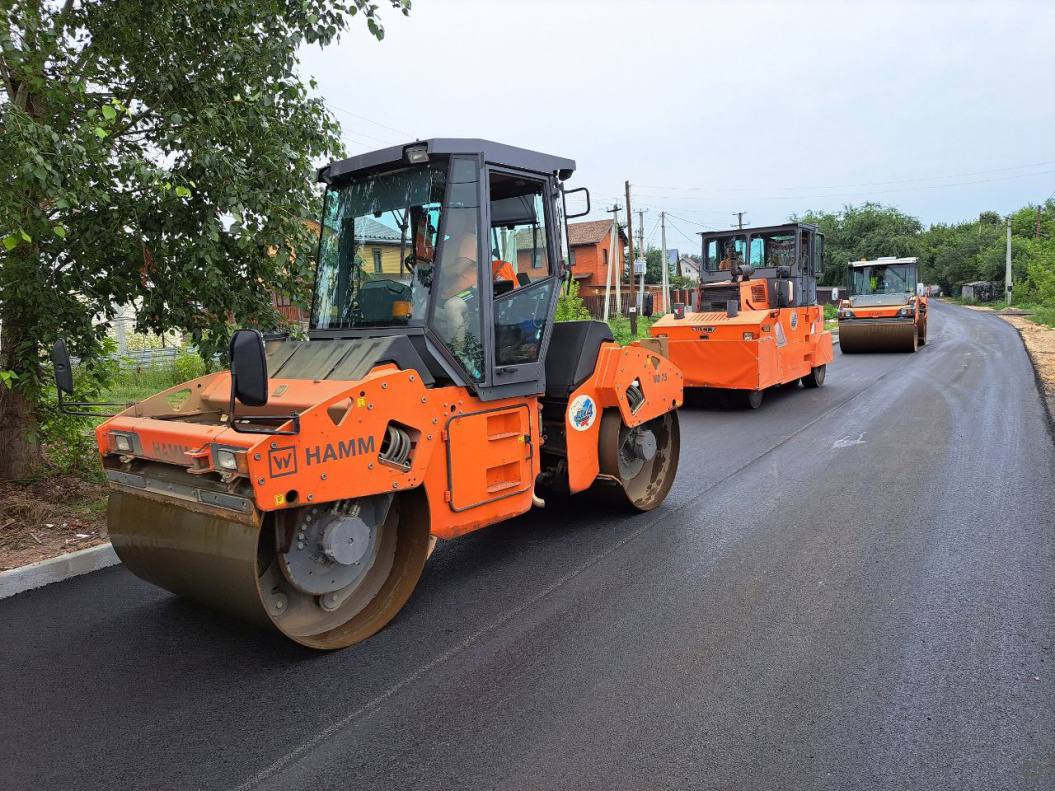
(20, 453)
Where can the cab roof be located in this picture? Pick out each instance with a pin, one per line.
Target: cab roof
(493, 153)
(764, 229)
(886, 260)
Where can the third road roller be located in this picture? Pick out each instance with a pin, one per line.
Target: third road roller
(886, 310)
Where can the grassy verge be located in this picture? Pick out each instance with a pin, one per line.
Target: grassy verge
(621, 329)
(135, 382)
(1041, 313)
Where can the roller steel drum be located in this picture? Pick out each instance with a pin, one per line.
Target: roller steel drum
(247, 564)
(638, 464)
(862, 335)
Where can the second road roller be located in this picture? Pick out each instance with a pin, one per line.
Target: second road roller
(756, 322)
(435, 395)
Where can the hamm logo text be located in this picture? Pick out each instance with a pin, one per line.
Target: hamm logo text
(346, 449)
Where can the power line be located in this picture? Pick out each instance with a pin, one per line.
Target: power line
(690, 222)
(688, 238)
(653, 232)
(863, 183)
(372, 121)
(831, 195)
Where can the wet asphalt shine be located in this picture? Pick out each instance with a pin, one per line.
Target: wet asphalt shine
(853, 587)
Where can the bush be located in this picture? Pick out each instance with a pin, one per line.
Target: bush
(188, 365)
(831, 312)
(570, 306)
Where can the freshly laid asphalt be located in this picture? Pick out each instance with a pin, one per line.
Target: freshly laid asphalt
(853, 587)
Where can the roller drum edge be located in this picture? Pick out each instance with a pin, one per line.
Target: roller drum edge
(877, 337)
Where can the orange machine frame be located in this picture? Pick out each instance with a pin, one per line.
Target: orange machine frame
(477, 460)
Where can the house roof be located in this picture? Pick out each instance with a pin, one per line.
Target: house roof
(368, 231)
(591, 232)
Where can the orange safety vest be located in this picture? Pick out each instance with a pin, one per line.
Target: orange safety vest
(500, 270)
(503, 270)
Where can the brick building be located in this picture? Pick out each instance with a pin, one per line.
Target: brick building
(591, 254)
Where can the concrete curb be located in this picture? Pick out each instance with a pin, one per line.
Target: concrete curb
(37, 575)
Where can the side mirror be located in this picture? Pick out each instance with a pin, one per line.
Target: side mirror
(582, 212)
(248, 368)
(60, 361)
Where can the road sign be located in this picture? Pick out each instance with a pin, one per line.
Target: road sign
(639, 266)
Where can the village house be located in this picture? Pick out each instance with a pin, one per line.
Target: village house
(591, 254)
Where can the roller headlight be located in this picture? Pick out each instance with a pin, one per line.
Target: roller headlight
(226, 460)
(908, 311)
(846, 313)
(123, 443)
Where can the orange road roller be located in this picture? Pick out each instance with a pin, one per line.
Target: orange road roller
(885, 311)
(756, 323)
(435, 395)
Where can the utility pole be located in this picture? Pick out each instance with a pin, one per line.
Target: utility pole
(1007, 267)
(739, 220)
(665, 268)
(613, 258)
(630, 237)
(641, 252)
(610, 272)
(1036, 231)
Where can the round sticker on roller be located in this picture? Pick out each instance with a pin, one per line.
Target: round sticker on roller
(582, 413)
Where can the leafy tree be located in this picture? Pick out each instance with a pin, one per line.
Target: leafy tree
(870, 230)
(654, 266)
(152, 151)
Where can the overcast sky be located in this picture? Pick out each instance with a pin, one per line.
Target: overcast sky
(944, 109)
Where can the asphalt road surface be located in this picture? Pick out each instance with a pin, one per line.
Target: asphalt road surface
(850, 588)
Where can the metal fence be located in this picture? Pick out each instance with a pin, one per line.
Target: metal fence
(149, 358)
(595, 302)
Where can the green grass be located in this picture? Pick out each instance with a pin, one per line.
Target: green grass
(136, 382)
(133, 384)
(621, 329)
(1042, 314)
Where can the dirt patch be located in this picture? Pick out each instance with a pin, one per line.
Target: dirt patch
(48, 517)
(1040, 343)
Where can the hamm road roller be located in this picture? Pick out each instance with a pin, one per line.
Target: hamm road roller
(756, 323)
(305, 487)
(883, 312)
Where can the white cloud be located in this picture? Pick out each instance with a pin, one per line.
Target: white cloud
(714, 107)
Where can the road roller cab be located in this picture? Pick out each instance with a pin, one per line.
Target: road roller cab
(886, 309)
(756, 322)
(306, 486)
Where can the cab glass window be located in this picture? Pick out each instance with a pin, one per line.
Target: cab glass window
(521, 268)
(722, 253)
(773, 249)
(456, 286)
(368, 274)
